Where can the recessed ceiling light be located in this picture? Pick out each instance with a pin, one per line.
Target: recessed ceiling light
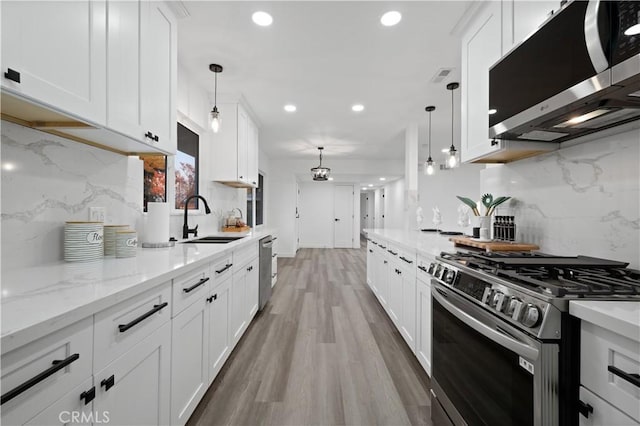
(492, 111)
(262, 18)
(383, 178)
(632, 30)
(370, 185)
(290, 108)
(357, 108)
(391, 18)
(330, 178)
(364, 189)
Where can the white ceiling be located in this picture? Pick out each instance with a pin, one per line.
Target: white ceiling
(323, 57)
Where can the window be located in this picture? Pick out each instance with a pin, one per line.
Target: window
(186, 167)
(155, 179)
(260, 200)
(250, 207)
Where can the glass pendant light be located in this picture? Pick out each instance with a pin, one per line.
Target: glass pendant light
(428, 165)
(453, 159)
(215, 114)
(320, 173)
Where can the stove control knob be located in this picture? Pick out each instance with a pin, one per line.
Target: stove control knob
(486, 296)
(432, 268)
(511, 306)
(502, 302)
(443, 273)
(495, 299)
(436, 272)
(450, 276)
(531, 316)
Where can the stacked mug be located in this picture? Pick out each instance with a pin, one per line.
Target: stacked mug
(83, 241)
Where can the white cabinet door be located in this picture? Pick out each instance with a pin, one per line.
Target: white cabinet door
(158, 69)
(134, 389)
(394, 305)
(189, 359)
(252, 154)
(604, 414)
(408, 319)
(423, 324)
(219, 330)
(382, 277)
(481, 48)
(59, 50)
(243, 145)
(371, 265)
(523, 18)
(238, 305)
(253, 289)
(71, 409)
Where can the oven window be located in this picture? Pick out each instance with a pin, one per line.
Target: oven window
(483, 380)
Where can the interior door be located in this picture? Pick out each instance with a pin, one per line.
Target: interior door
(297, 234)
(343, 216)
(382, 202)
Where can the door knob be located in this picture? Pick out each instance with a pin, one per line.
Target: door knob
(337, 220)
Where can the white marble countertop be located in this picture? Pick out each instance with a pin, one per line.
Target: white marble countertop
(426, 243)
(36, 301)
(620, 317)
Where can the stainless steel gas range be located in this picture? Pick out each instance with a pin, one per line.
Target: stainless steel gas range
(505, 349)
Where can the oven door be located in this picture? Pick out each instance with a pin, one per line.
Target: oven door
(486, 372)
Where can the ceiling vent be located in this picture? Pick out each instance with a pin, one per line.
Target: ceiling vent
(441, 75)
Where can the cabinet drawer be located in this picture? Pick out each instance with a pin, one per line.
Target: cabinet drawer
(33, 376)
(190, 287)
(120, 327)
(221, 268)
(603, 351)
(604, 414)
(392, 251)
(407, 257)
(244, 255)
(423, 263)
(70, 409)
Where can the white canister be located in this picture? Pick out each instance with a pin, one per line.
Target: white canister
(126, 243)
(83, 241)
(110, 238)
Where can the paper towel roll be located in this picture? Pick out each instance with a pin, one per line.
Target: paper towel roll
(157, 226)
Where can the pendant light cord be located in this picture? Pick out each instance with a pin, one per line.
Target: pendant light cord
(429, 134)
(452, 146)
(215, 90)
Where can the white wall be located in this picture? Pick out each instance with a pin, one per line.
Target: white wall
(394, 205)
(440, 190)
(583, 199)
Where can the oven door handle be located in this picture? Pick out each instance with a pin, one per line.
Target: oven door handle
(497, 335)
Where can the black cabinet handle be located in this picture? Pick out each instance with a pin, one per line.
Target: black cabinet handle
(406, 260)
(210, 299)
(273, 275)
(634, 379)
(422, 268)
(386, 261)
(494, 142)
(156, 138)
(148, 135)
(12, 75)
(89, 395)
(241, 177)
(250, 268)
(373, 242)
(254, 182)
(227, 266)
(274, 254)
(370, 251)
(395, 253)
(156, 308)
(57, 366)
(196, 285)
(382, 247)
(584, 409)
(108, 382)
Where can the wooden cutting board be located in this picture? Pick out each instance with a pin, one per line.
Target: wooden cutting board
(235, 228)
(493, 245)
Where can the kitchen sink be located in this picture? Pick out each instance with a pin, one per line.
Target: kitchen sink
(214, 240)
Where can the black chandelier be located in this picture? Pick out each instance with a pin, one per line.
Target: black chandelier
(320, 173)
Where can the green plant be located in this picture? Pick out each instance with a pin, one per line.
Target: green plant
(487, 200)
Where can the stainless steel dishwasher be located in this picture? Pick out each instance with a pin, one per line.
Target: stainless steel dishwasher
(266, 244)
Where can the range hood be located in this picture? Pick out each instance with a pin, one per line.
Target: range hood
(578, 74)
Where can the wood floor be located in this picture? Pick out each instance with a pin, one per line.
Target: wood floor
(322, 352)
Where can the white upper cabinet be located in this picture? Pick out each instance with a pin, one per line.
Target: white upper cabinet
(523, 18)
(53, 53)
(235, 153)
(481, 48)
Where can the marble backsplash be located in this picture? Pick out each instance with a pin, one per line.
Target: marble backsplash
(48, 180)
(583, 199)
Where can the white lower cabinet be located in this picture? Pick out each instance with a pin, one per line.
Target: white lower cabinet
(408, 310)
(219, 329)
(189, 359)
(253, 289)
(381, 271)
(134, 389)
(71, 409)
(394, 305)
(603, 413)
(423, 324)
(244, 298)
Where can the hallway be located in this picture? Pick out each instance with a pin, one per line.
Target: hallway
(323, 352)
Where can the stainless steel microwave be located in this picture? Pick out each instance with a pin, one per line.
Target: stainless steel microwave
(577, 74)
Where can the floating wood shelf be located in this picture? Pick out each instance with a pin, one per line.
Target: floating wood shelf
(493, 245)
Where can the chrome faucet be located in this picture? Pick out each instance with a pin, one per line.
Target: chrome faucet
(185, 227)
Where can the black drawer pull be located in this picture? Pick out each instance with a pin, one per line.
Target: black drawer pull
(634, 379)
(381, 246)
(156, 138)
(494, 142)
(422, 268)
(148, 135)
(386, 261)
(12, 75)
(584, 409)
(406, 260)
(395, 253)
(250, 268)
(274, 254)
(108, 382)
(374, 243)
(227, 266)
(57, 366)
(156, 308)
(273, 275)
(89, 395)
(196, 285)
(210, 299)
(370, 251)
